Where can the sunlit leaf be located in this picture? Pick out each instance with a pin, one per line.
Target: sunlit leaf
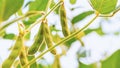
(73, 1)
(9, 36)
(113, 61)
(36, 5)
(104, 6)
(39, 5)
(69, 42)
(81, 16)
(82, 65)
(87, 31)
(99, 31)
(27, 36)
(8, 8)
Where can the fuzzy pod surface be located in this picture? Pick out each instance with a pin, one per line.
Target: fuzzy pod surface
(23, 57)
(14, 53)
(48, 37)
(38, 41)
(63, 20)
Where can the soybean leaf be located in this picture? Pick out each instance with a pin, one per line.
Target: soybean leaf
(81, 16)
(104, 6)
(9, 36)
(87, 31)
(99, 31)
(69, 42)
(27, 36)
(8, 8)
(113, 61)
(72, 1)
(82, 65)
(37, 5)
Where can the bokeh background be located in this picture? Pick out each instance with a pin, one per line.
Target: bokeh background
(102, 41)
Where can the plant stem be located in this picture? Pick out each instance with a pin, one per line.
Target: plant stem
(62, 41)
(54, 7)
(48, 5)
(29, 14)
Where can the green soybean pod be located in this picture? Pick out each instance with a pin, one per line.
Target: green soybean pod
(63, 20)
(23, 57)
(48, 37)
(38, 41)
(14, 53)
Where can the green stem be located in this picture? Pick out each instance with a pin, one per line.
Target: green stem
(53, 8)
(62, 41)
(29, 14)
(48, 5)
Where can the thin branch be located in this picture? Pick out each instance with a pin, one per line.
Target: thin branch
(29, 14)
(48, 5)
(54, 7)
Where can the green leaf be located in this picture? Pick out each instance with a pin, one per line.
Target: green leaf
(113, 61)
(81, 16)
(82, 65)
(37, 5)
(9, 36)
(69, 42)
(99, 31)
(8, 8)
(27, 36)
(73, 1)
(104, 6)
(87, 31)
